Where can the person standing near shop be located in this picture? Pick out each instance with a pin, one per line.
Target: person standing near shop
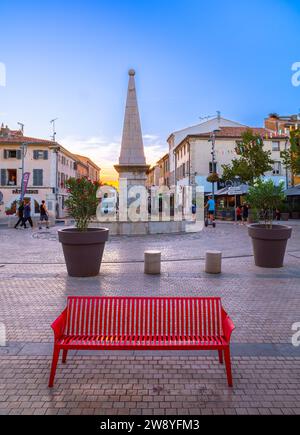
(245, 214)
(238, 215)
(27, 215)
(20, 214)
(44, 217)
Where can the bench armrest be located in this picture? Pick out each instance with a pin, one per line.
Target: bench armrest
(228, 325)
(59, 325)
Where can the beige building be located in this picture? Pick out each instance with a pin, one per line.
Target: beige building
(49, 164)
(193, 156)
(87, 168)
(153, 176)
(164, 170)
(205, 126)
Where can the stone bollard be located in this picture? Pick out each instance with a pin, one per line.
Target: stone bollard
(152, 262)
(213, 262)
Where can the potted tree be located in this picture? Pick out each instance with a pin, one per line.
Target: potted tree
(269, 240)
(83, 247)
(284, 212)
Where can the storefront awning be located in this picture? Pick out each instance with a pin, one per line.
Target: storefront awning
(243, 189)
(293, 191)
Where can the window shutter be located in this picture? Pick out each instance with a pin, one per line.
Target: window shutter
(35, 175)
(38, 177)
(3, 177)
(5, 154)
(45, 155)
(41, 177)
(35, 155)
(19, 154)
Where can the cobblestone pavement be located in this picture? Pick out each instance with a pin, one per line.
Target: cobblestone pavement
(263, 304)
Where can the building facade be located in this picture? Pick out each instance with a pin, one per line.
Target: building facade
(164, 171)
(284, 125)
(87, 168)
(177, 137)
(153, 176)
(193, 156)
(49, 165)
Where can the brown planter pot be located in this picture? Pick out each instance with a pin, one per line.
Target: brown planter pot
(285, 217)
(295, 215)
(83, 251)
(269, 245)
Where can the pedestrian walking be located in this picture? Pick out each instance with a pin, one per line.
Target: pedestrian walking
(278, 214)
(44, 217)
(27, 215)
(245, 214)
(238, 215)
(20, 214)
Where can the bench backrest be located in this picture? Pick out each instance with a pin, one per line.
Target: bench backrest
(144, 317)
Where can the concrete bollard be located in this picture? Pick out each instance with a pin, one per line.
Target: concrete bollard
(152, 262)
(213, 263)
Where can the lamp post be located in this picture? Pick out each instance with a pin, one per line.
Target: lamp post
(213, 156)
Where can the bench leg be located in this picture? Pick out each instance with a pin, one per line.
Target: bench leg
(64, 358)
(228, 366)
(53, 367)
(221, 356)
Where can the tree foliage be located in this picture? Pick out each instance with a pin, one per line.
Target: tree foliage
(253, 160)
(82, 202)
(265, 197)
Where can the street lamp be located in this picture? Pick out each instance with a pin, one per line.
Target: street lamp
(213, 156)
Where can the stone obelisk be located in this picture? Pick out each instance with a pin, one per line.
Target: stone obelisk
(132, 163)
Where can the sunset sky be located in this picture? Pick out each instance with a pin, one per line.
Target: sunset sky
(69, 60)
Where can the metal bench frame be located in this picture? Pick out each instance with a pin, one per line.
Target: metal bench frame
(123, 323)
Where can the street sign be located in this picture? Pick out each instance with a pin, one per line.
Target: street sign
(233, 191)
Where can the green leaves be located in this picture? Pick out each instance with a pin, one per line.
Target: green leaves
(266, 197)
(253, 162)
(82, 202)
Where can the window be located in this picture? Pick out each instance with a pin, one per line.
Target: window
(276, 145)
(40, 155)
(38, 177)
(277, 168)
(8, 177)
(12, 154)
(213, 169)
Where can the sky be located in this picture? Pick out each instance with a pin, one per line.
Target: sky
(70, 60)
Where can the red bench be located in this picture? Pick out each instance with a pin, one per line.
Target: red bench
(121, 323)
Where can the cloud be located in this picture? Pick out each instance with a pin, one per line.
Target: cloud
(105, 152)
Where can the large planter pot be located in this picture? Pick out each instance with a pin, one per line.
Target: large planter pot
(295, 215)
(285, 217)
(83, 251)
(269, 245)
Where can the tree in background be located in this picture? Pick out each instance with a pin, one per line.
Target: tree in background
(291, 156)
(253, 161)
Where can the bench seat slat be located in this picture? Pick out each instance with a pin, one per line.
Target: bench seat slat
(138, 341)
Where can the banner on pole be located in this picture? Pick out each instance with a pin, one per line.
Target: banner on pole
(25, 182)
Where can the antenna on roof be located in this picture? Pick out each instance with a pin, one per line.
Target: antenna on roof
(22, 126)
(52, 122)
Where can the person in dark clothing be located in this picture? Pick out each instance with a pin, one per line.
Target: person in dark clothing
(43, 215)
(20, 214)
(245, 213)
(27, 215)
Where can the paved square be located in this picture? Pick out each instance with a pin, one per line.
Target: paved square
(263, 304)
